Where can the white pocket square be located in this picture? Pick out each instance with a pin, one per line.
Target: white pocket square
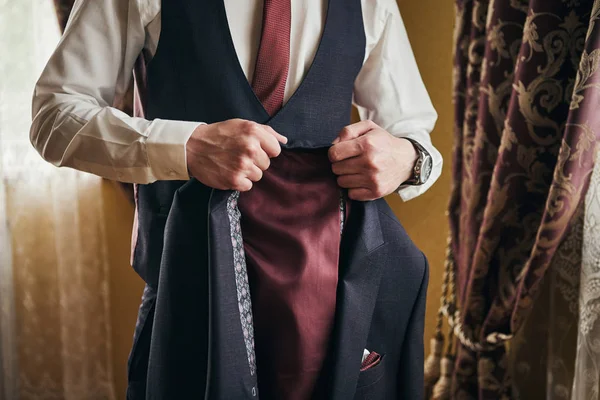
(365, 355)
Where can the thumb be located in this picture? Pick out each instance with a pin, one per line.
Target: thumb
(355, 130)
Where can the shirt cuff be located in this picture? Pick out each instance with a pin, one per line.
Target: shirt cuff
(409, 192)
(166, 148)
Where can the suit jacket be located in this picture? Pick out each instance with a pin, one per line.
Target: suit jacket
(189, 341)
(194, 338)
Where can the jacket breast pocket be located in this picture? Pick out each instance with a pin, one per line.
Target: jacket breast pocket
(371, 382)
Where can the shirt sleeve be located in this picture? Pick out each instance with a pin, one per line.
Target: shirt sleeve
(74, 123)
(389, 89)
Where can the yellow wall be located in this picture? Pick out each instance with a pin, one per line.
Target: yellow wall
(429, 24)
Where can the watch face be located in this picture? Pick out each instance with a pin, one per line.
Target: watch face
(426, 169)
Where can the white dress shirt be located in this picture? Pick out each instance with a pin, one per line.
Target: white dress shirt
(74, 124)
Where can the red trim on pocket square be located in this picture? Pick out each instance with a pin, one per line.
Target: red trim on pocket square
(372, 360)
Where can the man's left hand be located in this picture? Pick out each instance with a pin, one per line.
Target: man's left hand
(370, 162)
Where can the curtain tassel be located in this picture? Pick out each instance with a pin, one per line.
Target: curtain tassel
(433, 363)
(438, 370)
(442, 389)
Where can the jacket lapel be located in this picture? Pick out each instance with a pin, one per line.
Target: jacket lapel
(357, 292)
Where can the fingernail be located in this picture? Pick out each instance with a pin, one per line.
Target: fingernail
(336, 140)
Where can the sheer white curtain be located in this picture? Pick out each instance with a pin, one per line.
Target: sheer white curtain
(542, 353)
(559, 346)
(586, 384)
(54, 300)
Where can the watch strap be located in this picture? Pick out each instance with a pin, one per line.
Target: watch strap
(416, 178)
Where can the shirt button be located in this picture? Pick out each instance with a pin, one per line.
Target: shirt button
(253, 391)
(171, 172)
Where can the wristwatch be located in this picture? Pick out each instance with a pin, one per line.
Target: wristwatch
(423, 165)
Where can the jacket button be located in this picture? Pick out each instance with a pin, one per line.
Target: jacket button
(253, 391)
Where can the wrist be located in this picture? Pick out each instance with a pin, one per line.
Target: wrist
(409, 151)
(407, 156)
(192, 146)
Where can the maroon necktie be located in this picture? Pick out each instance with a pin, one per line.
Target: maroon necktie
(273, 59)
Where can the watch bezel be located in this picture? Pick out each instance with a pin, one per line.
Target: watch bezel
(425, 173)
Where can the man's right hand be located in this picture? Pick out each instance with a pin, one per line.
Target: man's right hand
(232, 154)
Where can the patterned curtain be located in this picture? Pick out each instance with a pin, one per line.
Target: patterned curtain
(526, 110)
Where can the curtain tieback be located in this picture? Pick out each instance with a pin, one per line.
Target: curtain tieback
(492, 341)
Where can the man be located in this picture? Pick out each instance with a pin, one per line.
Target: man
(273, 266)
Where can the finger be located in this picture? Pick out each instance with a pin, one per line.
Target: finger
(261, 160)
(353, 181)
(361, 194)
(344, 150)
(268, 142)
(242, 185)
(353, 165)
(355, 130)
(277, 135)
(255, 174)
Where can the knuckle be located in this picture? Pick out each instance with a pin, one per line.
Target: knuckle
(237, 179)
(267, 164)
(249, 126)
(333, 154)
(372, 177)
(369, 142)
(362, 146)
(371, 163)
(277, 149)
(375, 167)
(240, 163)
(242, 187)
(245, 185)
(246, 164)
(230, 182)
(252, 148)
(254, 173)
(254, 130)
